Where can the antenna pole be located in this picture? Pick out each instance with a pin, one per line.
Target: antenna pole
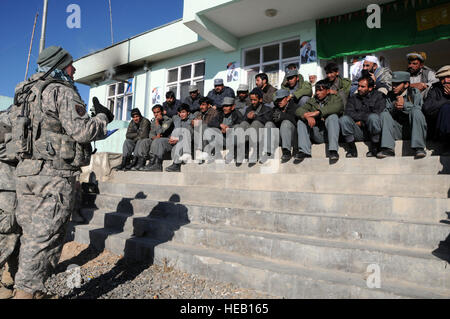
(31, 45)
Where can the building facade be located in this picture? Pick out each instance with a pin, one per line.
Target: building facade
(236, 39)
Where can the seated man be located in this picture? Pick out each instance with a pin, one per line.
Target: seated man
(219, 92)
(284, 118)
(338, 85)
(242, 101)
(160, 126)
(257, 116)
(319, 121)
(193, 99)
(300, 91)
(179, 142)
(138, 131)
(422, 77)
(403, 114)
(262, 82)
(170, 107)
(362, 117)
(381, 76)
(228, 118)
(436, 106)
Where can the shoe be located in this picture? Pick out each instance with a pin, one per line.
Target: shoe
(125, 162)
(352, 151)
(300, 156)
(264, 158)
(132, 163)
(420, 153)
(286, 157)
(386, 152)
(140, 164)
(5, 293)
(174, 168)
(373, 150)
(334, 156)
(156, 167)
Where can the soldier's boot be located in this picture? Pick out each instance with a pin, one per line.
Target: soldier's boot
(156, 167)
(5, 293)
(20, 294)
(174, 168)
(125, 162)
(132, 163)
(352, 151)
(140, 164)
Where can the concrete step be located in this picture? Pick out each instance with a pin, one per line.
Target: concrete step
(394, 165)
(414, 209)
(115, 214)
(274, 277)
(434, 186)
(413, 265)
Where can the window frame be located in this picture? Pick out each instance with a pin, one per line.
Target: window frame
(281, 62)
(125, 116)
(191, 80)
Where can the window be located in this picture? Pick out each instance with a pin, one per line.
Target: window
(271, 59)
(120, 100)
(179, 79)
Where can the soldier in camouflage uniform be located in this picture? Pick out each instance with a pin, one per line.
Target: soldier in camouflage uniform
(59, 131)
(9, 230)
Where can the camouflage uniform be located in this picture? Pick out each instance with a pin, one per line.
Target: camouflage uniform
(45, 183)
(9, 230)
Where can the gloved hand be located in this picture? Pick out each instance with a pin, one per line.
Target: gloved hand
(276, 116)
(98, 108)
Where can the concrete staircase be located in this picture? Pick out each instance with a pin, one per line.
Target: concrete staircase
(298, 231)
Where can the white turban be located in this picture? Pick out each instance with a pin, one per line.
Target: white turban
(372, 59)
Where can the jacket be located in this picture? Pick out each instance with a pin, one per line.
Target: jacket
(413, 100)
(269, 92)
(435, 99)
(241, 106)
(383, 81)
(332, 104)
(171, 110)
(342, 86)
(302, 88)
(360, 107)
(209, 118)
(194, 105)
(139, 131)
(231, 120)
(217, 98)
(165, 128)
(263, 114)
(285, 114)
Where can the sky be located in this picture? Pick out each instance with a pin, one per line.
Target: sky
(130, 17)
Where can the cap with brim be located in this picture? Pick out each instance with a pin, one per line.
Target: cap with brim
(291, 73)
(218, 82)
(193, 88)
(242, 88)
(281, 94)
(400, 76)
(227, 101)
(52, 55)
(443, 72)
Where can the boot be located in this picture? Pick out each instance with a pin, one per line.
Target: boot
(125, 162)
(286, 157)
(386, 152)
(420, 153)
(132, 164)
(150, 164)
(140, 164)
(174, 168)
(334, 156)
(374, 149)
(5, 293)
(156, 167)
(352, 151)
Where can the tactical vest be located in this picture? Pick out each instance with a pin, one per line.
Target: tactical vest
(39, 136)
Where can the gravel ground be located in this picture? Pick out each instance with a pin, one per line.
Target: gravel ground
(106, 276)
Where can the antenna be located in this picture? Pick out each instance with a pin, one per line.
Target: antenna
(44, 26)
(31, 45)
(111, 21)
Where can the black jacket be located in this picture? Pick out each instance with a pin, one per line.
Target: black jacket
(360, 107)
(264, 114)
(194, 105)
(171, 110)
(139, 131)
(217, 98)
(434, 100)
(286, 114)
(233, 119)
